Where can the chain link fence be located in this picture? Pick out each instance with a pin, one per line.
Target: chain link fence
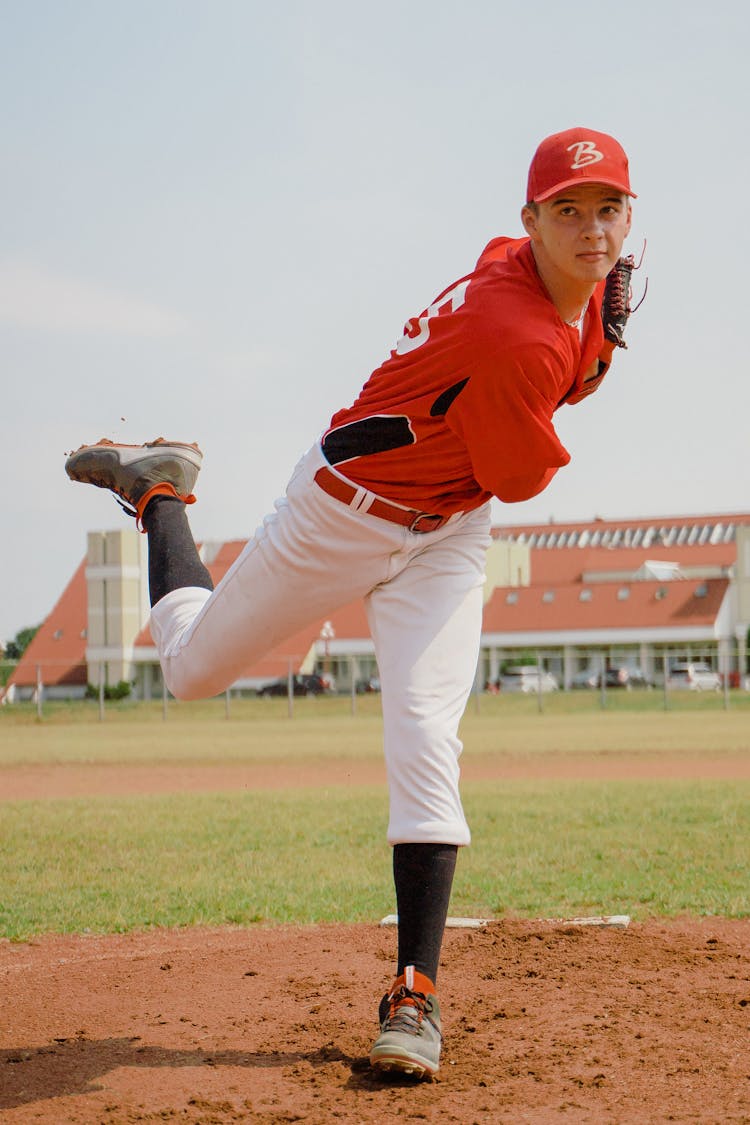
(599, 675)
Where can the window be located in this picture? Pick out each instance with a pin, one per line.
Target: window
(548, 596)
(511, 597)
(623, 593)
(585, 595)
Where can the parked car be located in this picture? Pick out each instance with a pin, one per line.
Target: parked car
(619, 676)
(587, 678)
(301, 685)
(527, 678)
(693, 676)
(625, 676)
(638, 678)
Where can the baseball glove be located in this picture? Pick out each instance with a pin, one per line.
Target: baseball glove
(616, 301)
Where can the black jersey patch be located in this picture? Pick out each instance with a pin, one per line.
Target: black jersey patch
(376, 434)
(443, 401)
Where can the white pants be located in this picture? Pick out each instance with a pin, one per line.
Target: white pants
(423, 595)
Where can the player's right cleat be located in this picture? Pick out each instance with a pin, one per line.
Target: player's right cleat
(410, 1031)
(137, 473)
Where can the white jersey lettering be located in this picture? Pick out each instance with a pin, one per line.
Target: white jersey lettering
(451, 300)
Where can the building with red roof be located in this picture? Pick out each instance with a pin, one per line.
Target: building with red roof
(637, 593)
(631, 592)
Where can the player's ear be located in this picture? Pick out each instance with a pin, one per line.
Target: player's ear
(630, 219)
(528, 218)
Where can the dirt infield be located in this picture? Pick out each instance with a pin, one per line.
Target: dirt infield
(43, 782)
(542, 1023)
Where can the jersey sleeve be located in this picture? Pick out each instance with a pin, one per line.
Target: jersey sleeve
(504, 417)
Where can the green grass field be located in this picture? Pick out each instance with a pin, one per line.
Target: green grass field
(543, 848)
(326, 728)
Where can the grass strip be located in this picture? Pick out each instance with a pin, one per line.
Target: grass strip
(542, 849)
(326, 729)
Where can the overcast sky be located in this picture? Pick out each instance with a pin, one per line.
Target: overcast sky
(217, 216)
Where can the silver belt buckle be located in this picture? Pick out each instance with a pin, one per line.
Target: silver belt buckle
(414, 525)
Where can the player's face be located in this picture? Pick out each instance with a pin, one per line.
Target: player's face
(578, 234)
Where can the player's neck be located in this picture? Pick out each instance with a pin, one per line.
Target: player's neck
(569, 296)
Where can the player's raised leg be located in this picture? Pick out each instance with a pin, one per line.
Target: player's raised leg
(311, 555)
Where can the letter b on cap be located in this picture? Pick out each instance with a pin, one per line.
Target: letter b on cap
(586, 153)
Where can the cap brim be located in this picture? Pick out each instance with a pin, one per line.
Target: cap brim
(574, 181)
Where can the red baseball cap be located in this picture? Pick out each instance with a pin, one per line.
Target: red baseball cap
(577, 156)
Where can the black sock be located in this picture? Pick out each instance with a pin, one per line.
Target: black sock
(173, 559)
(423, 874)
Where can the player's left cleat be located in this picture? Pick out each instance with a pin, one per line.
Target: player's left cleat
(410, 1031)
(137, 473)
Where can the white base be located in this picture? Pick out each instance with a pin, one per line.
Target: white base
(450, 923)
(621, 920)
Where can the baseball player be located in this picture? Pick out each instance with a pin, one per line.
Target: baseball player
(392, 505)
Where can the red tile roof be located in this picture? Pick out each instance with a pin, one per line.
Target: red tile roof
(561, 564)
(648, 605)
(569, 564)
(59, 646)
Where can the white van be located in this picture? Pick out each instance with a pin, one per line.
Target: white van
(693, 676)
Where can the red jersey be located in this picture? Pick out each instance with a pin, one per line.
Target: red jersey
(462, 408)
